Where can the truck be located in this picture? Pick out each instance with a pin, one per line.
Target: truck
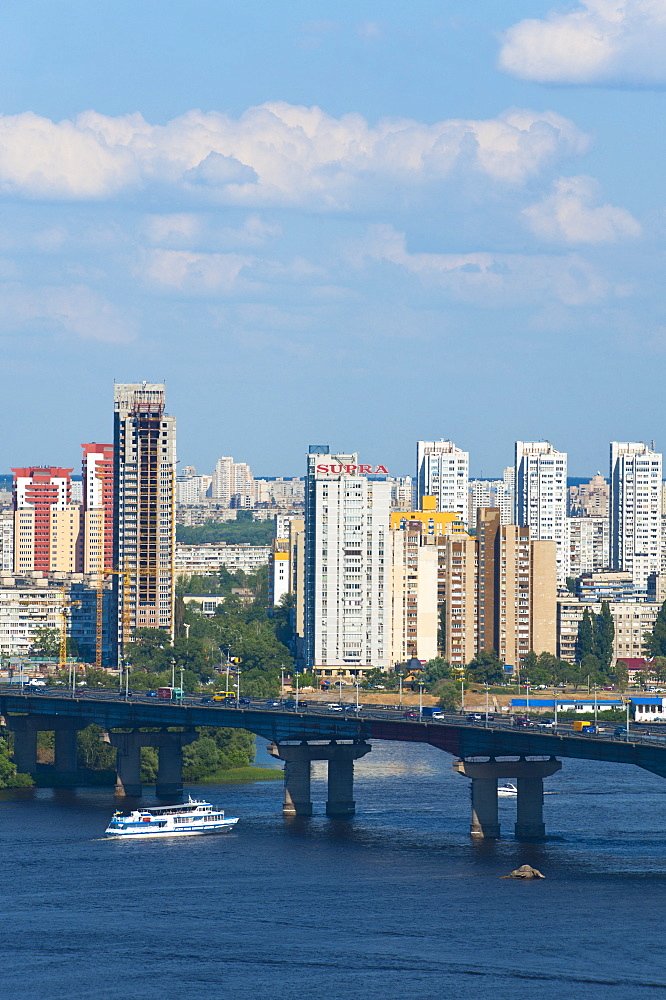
(580, 725)
(169, 693)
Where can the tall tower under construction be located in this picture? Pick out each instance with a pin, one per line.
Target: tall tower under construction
(144, 516)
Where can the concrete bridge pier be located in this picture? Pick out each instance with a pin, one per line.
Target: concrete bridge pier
(529, 775)
(340, 802)
(25, 729)
(66, 745)
(170, 760)
(128, 761)
(297, 766)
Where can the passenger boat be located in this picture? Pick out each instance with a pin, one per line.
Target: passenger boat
(508, 789)
(185, 820)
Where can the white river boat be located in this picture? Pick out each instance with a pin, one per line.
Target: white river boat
(186, 820)
(507, 791)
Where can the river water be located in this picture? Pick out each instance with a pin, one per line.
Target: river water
(398, 903)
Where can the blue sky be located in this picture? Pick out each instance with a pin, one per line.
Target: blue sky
(362, 223)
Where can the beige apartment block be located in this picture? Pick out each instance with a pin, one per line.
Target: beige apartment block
(631, 619)
(413, 594)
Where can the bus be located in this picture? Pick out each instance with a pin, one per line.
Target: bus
(224, 695)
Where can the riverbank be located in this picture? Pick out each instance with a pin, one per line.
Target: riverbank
(236, 774)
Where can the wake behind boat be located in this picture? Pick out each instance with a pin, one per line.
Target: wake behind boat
(186, 820)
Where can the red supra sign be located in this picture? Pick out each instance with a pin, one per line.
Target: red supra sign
(362, 470)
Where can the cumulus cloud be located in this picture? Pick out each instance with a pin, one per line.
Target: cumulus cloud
(599, 41)
(570, 215)
(276, 154)
(180, 230)
(77, 309)
(192, 273)
(493, 279)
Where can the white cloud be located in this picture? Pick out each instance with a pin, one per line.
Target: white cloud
(192, 273)
(569, 215)
(493, 279)
(598, 41)
(77, 309)
(182, 230)
(275, 154)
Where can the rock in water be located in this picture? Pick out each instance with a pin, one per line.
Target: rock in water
(525, 871)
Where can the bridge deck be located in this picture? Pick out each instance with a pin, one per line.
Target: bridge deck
(455, 736)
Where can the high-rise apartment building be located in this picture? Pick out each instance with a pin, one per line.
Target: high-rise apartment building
(97, 476)
(402, 493)
(442, 471)
(635, 509)
(46, 523)
(347, 566)
(144, 537)
(589, 499)
(541, 496)
(587, 544)
(416, 555)
(499, 592)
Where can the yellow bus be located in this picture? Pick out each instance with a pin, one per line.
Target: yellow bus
(223, 695)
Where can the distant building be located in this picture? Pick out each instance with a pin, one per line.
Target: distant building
(635, 509)
(47, 526)
(442, 471)
(589, 499)
(540, 497)
(493, 493)
(97, 510)
(210, 558)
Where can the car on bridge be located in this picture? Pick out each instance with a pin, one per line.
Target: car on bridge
(410, 714)
(333, 707)
(475, 717)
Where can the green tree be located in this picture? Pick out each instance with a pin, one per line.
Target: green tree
(586, 641)
(435, 671)
(590, 666)
(620, 676)
(655, 641)
(92, 752)
(486, 667)
(46, 641)
(605, 636)
(571, 584)
(449, 696)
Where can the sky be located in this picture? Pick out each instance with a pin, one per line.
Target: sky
(358, 224)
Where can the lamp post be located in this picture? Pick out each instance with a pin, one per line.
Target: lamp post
(357, 686)
(486, 704)
(173, 672)
(182, 670)
(238, 673)
(127, 670)
(555, 697)
(420, 699)
(595, 704)
(627, 732)
(527, 696)
(297, 675)
(339, 689)
(400, 683)
(282, 682)
(462, 692)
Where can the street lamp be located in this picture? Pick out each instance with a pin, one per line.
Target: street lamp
(400, 683)
(282, 682)
(358, 683)
(595, 704)
(340, 689)
(420, 699)
(297, 676)
(486, 704)
(527, 695)
(238, 673)
(173, 672)
(182, 670)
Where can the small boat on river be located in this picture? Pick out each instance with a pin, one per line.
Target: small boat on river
(507, 790)
(185, 820)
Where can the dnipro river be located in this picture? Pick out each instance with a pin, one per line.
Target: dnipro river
(397, 904)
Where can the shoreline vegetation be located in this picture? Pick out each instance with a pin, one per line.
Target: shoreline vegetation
(238, 774)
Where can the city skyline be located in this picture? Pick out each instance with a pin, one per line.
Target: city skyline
(447, 221)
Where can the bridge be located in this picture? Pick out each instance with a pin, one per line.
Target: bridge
(484, 752)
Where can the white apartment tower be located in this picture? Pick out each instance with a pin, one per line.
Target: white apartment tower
(347, 566)
(493, 493)
(635, 510)
(144, 521)
(232, 483)
(442, 471)
(541, 496)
